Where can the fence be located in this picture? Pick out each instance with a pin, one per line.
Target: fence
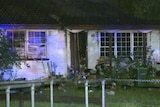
(7, 86)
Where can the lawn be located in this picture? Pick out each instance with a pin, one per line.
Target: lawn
(45, 104)
(137, 97)
(73, 96)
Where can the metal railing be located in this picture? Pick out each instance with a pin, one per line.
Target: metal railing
(7, 86)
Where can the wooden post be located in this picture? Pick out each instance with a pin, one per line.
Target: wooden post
(144, 49)
(110, 52)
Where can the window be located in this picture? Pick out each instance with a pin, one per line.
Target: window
(107, 39)
(140, 45)
(17, 39)
(123, 44)
(31, 45)
(36, 44)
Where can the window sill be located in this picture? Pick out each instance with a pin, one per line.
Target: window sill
(37, 59)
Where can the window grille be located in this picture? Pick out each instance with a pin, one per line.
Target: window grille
(36, 44)
(123, 44)
(31, 45)
(17, 39)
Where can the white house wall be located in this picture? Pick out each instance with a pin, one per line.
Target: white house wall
(59, 55)
(155, 45)
(57, 50)
(32, 70)
(93, 49)
(68, 49)
(36, 69)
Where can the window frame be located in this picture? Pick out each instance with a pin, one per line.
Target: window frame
(131, 34)
(45, 47)
(13, 41)
(26, 44)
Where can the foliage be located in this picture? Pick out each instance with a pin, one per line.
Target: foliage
(8, 55)
(144, 9)
(125, 68)
(147, 9)
(121, 68)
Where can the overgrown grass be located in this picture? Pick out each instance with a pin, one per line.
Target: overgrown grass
(47, 104)
(135, 97)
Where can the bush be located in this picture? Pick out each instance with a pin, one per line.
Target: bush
(8, 54)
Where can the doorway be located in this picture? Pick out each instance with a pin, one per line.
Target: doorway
(78, 42)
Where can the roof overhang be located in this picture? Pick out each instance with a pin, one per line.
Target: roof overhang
(142, 28)
(30, 26)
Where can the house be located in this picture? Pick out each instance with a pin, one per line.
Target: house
(51, 36)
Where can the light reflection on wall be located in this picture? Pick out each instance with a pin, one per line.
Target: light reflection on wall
(93, 49)
(28, 70)
(156, 55)
(56, 50)
(12, 26)
(39, 69)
